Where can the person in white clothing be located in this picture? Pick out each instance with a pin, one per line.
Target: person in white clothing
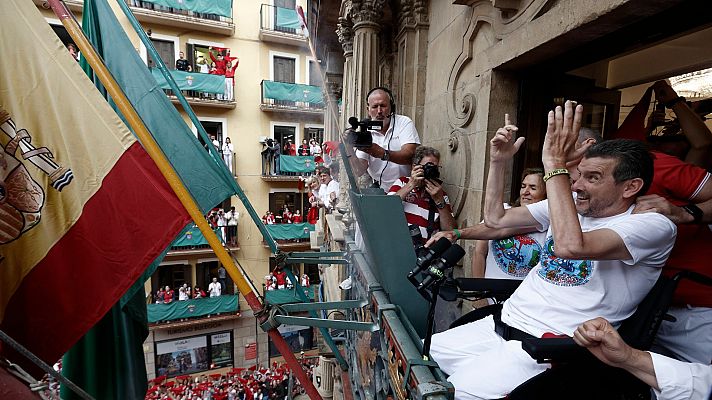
(670, 379)
(228, 150)
(328, 191)
(391, 154)
(513, 257)
(214, 288)
(599, 259)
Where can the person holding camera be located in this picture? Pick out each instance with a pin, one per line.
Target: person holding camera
(424, 201)
(386, 153)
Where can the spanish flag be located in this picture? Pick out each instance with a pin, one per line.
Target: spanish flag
(83, 208)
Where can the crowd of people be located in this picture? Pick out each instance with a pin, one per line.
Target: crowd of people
(278, 279)
(226, 221)
(323, 192)
(272, 150)
(253, 383)
(217, 287)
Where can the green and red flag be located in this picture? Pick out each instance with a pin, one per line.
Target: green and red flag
(84, 209)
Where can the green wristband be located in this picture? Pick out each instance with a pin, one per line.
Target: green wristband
(457, 233)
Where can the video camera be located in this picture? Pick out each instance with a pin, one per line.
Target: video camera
(362, 136)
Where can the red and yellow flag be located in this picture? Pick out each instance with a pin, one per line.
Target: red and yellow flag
(83, 209)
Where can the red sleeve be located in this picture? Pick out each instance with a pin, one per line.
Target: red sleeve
(676, 180)
(397, 185)
(212, 57)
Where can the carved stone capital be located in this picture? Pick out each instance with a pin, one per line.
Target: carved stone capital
(367, 12)
(413, 13)
(345, 33)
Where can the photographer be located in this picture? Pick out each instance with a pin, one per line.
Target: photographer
(385, 154)
(424, 201)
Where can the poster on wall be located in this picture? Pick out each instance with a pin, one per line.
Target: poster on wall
(182, 356)
(221, 349)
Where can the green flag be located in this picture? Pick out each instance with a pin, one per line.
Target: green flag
(108, 361)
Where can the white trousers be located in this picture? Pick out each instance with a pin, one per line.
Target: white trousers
(228, 89)
(480, 363)
(689, 338)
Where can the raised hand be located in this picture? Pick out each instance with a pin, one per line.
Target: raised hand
(562, 133)
(505, 144)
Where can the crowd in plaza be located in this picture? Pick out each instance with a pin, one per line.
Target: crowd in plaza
(253, 383)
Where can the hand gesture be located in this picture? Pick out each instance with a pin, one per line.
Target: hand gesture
(603, 341)
(417, 176)
(505, 143)
(450, 235)
(435, 190)
(664, 93)
(562, 133)
(658, 204)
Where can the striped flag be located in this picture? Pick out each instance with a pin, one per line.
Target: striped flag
(84, 209)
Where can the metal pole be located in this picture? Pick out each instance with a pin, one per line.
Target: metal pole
(155, 152)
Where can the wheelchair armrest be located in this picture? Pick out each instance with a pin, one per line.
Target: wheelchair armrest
(548, 350)
(482, 288)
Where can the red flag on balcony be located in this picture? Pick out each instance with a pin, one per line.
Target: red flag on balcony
(302, 20)
(85, 209)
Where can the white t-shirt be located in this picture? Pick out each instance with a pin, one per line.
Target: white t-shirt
(558, 294)
(326, 190)
(513, 257)
(232, 217)
(403, 133)
(214, 289)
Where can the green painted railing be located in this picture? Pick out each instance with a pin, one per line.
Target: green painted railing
(285, 296)
(192, 308)
(205, 83)
(292, 92)
(290, 231)
(222, 8)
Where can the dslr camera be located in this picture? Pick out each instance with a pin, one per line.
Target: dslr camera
(360, 129)
(431, 172)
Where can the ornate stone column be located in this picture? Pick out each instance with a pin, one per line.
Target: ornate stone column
(412, 45)
(346, 37)
(332, 120)
(365, 14)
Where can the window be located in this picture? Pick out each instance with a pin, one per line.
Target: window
(284, 133)
(286, 4)
(166, 49)
(314, 133)
(284, 69)
(212, 128)
(314, 74)
(293, 200)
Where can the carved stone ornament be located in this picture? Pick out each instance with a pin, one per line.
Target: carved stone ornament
(367, 11)
(457, 179)
(345, 33)
(413, 13)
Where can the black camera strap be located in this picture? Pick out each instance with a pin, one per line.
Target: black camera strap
(431, 217)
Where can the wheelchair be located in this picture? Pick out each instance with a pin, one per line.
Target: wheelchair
(575, 373)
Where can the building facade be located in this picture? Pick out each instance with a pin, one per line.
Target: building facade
(277, 95)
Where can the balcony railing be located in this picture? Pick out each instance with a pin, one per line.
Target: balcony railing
(192, 239)
(280, 25)
(291, 97)
(290, 167)
(284, 296)
(199, 89)
(206, 15)
(195, 308)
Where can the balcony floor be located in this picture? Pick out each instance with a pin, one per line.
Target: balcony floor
(200, 102)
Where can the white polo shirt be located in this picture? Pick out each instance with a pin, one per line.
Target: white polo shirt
(400, 131)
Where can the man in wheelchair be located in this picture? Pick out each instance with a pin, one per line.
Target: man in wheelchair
(599, 259)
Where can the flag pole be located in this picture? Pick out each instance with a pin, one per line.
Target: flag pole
(155, 152)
